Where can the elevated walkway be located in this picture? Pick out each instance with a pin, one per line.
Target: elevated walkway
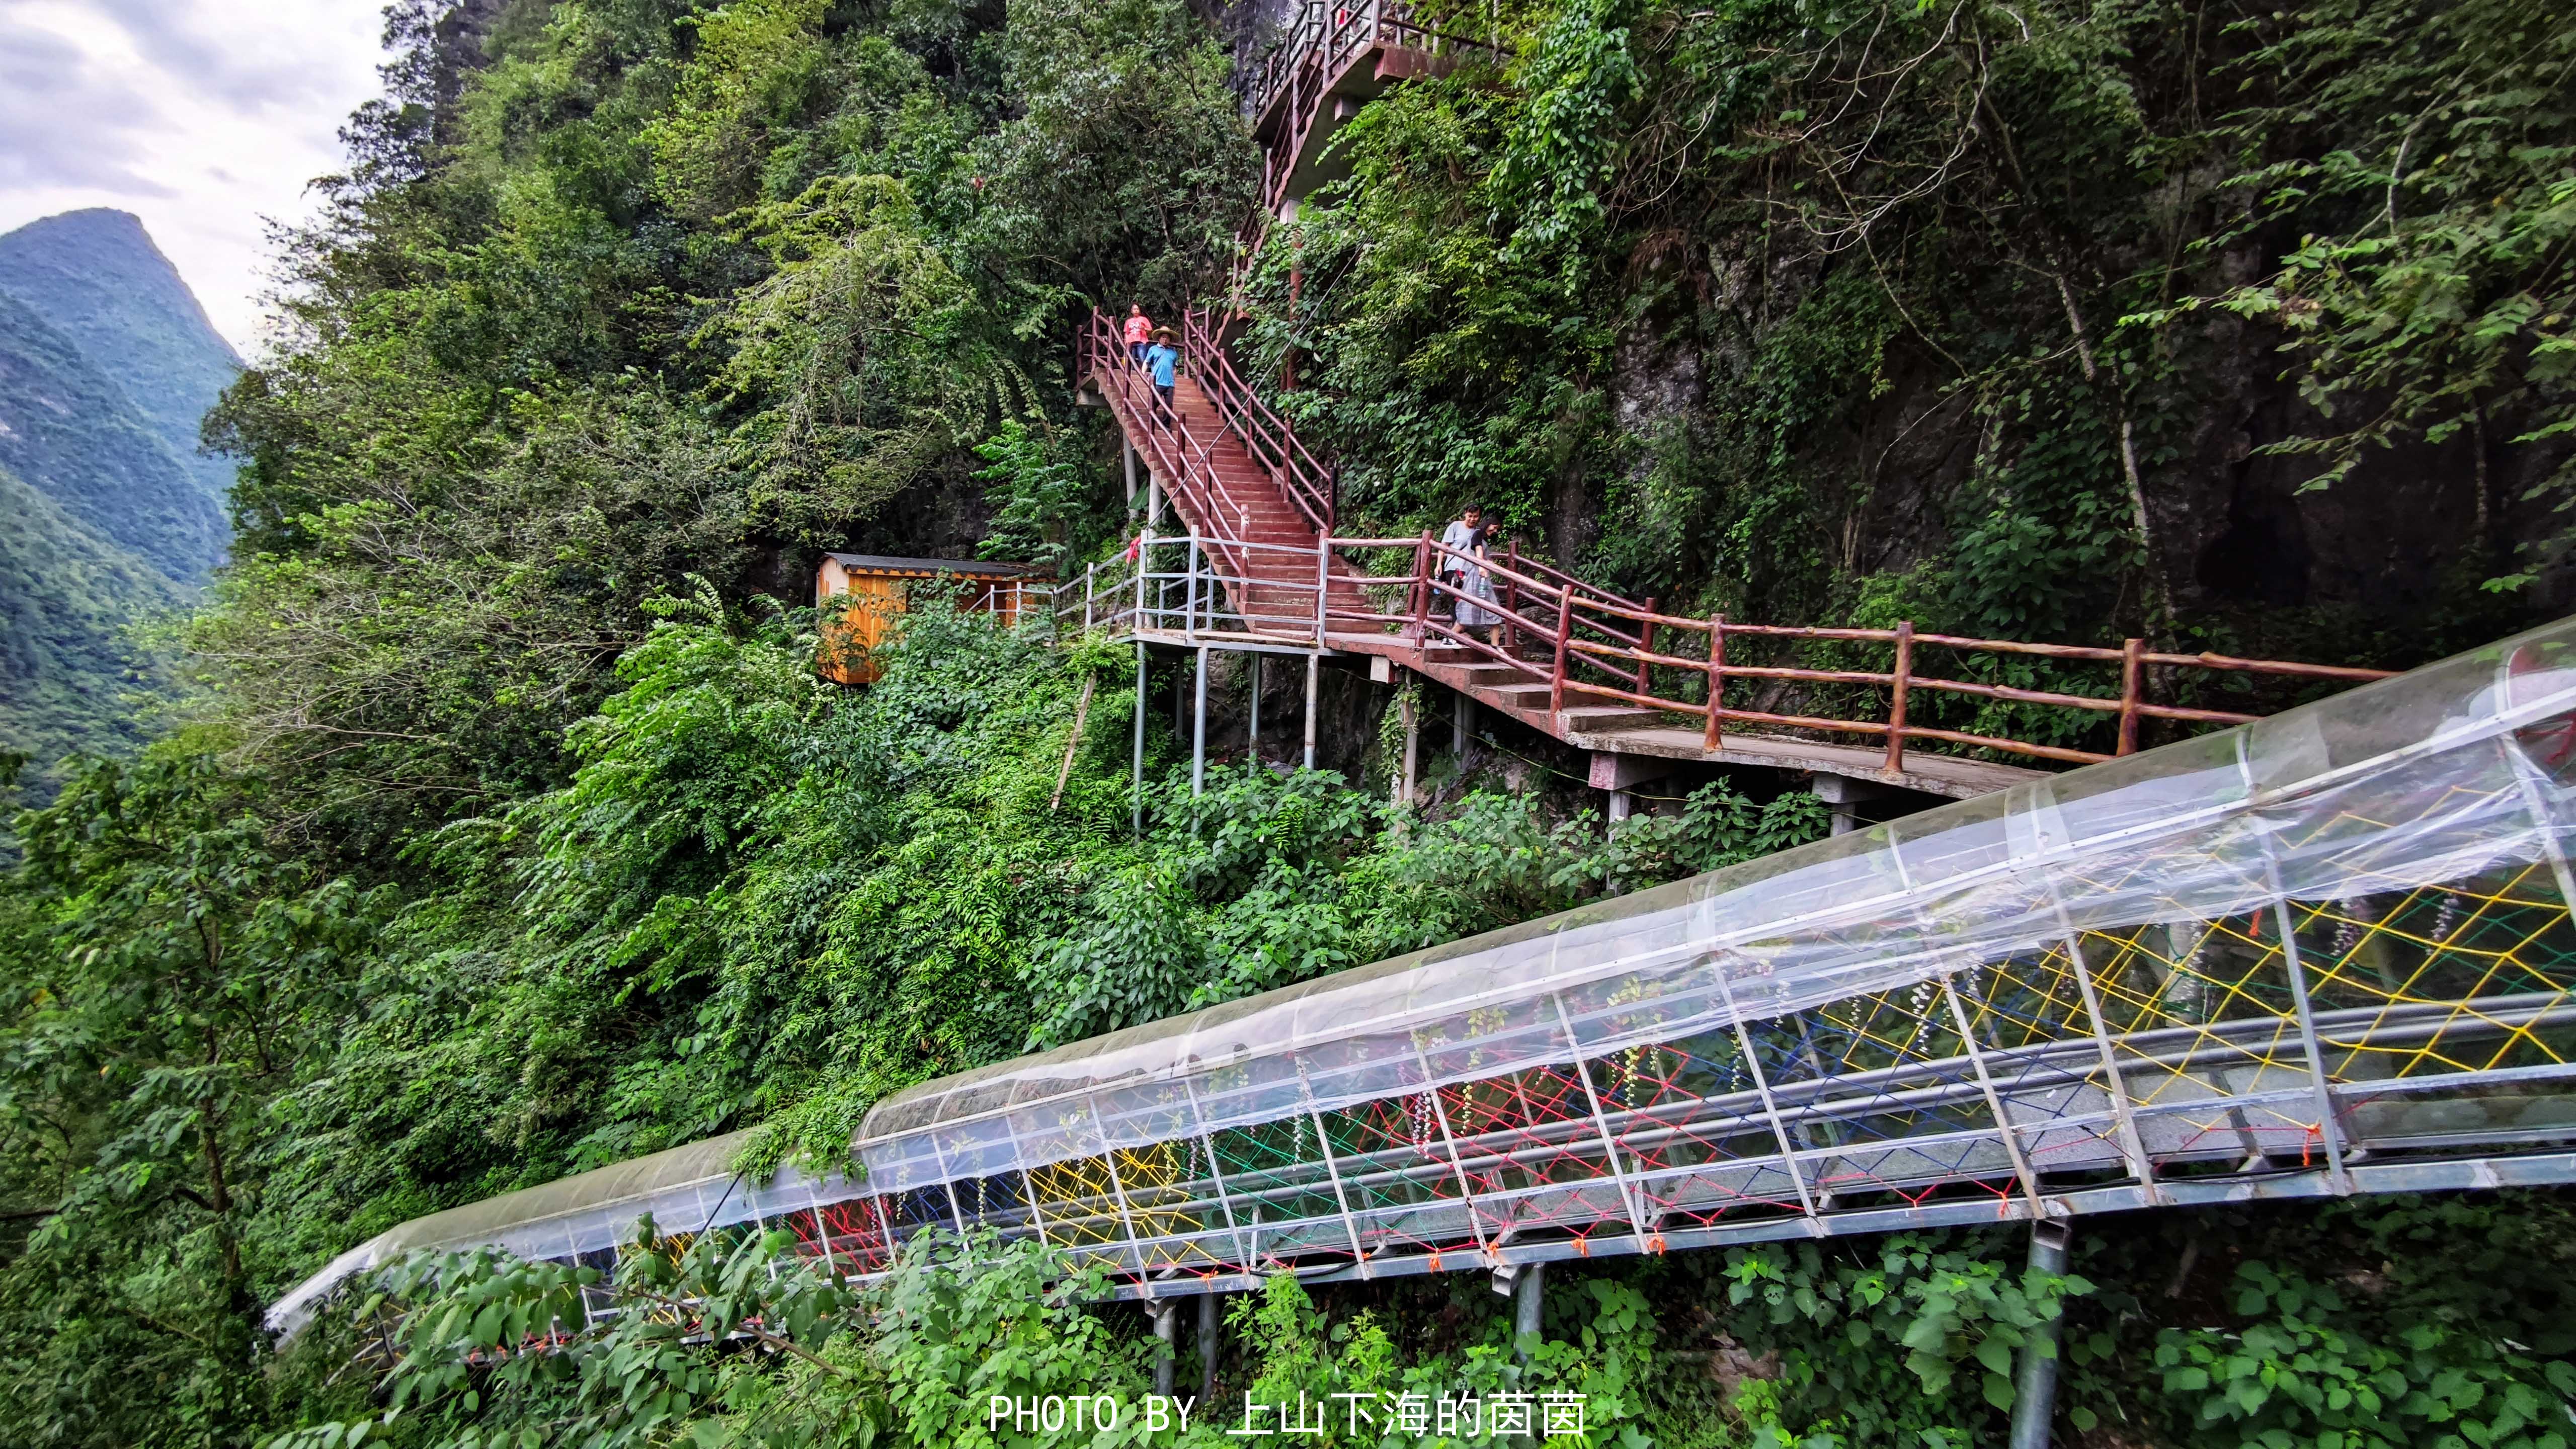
(2323, 954)
(1255, 564)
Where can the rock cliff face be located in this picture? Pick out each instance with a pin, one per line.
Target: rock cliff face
(108, 510)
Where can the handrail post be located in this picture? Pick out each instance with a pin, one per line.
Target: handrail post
(1556, 676)
(1144, 568)
(1646, 645)
(2132, 678)
(1090, 579)
(1422, 592)
(1716, 681)
(1323, 583)
(1190, 591)
(1899, 678)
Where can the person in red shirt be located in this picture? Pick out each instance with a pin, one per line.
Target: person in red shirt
(1140, 330)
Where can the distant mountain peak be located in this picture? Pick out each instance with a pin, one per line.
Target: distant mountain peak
(96, 277)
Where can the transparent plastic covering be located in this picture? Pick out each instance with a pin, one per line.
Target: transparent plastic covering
(686, 1190)
(2082, 977)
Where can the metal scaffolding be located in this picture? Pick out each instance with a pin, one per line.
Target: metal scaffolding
(2325, 953)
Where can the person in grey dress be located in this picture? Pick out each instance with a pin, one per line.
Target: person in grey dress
(1463, 568)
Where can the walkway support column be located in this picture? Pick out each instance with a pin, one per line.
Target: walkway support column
(2035, 1382)
(1314, 673)
(1166, 1325)
(1526, 1302)
(1412, 737)
(1207, 1348)
(1462, 723)
(1138, 778)
(1252, 732)
(1127, 459)
(1198, 731)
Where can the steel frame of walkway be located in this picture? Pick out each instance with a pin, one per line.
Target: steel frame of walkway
(2325, 954)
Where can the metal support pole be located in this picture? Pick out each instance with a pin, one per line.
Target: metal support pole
(1332, 1169)
(1137, 782)
(1631, 1196)
(1207, 1348)
(1252, 731)
(1198, 731)
(1153, 497)
(1243, 1254)
(2035, 1381)
(1770, 1104)
(2329, 1127)
(1190, 598)
(1462, 721)
(1166, 1328)
(1457, 1165)
(1117, 1186)
(1314, 673)
(1527, 1290)
(1412, 738)
(1994, 1100)
(1144, 571)
(1127, 460)
(2133, 1146)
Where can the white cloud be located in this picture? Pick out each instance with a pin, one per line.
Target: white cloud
(203, 117)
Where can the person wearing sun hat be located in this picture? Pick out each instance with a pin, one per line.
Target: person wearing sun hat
(1163, 361)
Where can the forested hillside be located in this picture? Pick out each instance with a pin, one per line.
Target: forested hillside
(95, 277)
(506, 830)
(107, 370)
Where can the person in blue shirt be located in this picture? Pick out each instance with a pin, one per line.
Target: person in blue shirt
(1163, 360)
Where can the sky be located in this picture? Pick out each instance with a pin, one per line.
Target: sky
(203, 117)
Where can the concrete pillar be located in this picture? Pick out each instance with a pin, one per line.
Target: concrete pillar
(1207, 1348)
(1198, 732)
(1843, 796)
(1412, 737)
(1526, 1302)
(2035, 1382)
(1462, 723)
(1618, 774)
(1166, 1324)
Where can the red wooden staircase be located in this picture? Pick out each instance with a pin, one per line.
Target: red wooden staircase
(1266, 571)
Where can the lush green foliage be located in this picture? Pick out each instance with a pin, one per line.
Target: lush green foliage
(510, 833)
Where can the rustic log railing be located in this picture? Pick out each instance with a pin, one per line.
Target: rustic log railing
(1589, 651)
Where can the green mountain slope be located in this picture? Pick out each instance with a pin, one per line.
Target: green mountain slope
(65, 596)
(95, 277)
(70, 432)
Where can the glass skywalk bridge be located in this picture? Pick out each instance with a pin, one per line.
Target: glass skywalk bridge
(2326, 953)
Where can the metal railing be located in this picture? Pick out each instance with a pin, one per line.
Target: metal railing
(1298, 76)
(1588, 647)
(1267, 438)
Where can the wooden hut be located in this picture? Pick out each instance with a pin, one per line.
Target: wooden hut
(877, 589)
